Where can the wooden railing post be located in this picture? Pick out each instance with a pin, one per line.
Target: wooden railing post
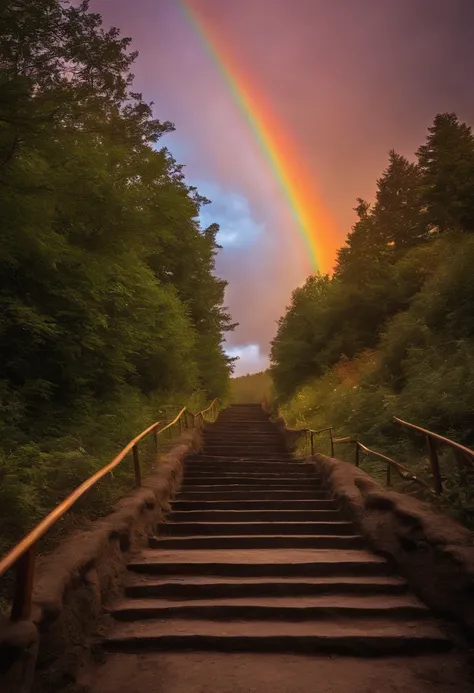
(25, 572)
(180, 425)
(357, 460)
(433, 453)
(136, 464)
(332, 442)
(155, 436)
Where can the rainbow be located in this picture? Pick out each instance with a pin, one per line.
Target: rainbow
(316, 229)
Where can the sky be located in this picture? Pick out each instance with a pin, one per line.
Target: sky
(345, 80)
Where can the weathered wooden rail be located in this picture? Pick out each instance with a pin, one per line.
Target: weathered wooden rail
(22, 556)
(465, 456)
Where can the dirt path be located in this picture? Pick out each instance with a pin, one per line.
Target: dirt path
(275, 673)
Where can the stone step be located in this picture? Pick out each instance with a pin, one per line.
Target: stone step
(239, 433)
(229, 448)
(192, 515)
(205, 587)
(244, 480)
(229, 439)
(238, 436)
(245, 504)
(291, 608)
(248, 466)
(231, 477)
(242, 422)
(247, 453)
(180, 529)
(251, 439)
(249, 541)
(344, 635)
(208, 485)
(252, 494)
(265, 563)
(250, 470)
(244, 457)
(226, 417)
(250, 448)
(243, 428)
(287, 458)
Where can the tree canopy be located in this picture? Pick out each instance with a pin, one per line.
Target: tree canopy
(106, 277)
(403, 289)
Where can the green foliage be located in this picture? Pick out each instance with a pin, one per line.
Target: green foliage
(251, 388)
(109, 306)
(392, 333)
(446, 161)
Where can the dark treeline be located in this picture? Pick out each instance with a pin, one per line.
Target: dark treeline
(392, 332)
(108, 301)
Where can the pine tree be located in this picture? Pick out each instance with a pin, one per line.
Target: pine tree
(398, 215)
(447, 166)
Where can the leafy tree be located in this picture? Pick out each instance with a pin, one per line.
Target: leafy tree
(292, 357)
(106, 276)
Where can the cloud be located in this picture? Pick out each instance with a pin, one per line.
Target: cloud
(231, 210)
(250, 359)
(347, 80)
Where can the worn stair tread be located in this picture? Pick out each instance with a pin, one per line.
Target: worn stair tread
(139, 579)
(375, 606)
(265, 556)
(373, 634)
(258, 541)
(249, 459)
(254, 493)
(272, 504)
(191, 587)
(258, 527)
(264, 475)
(242, 486)
(333, 524)
(251, 515)
(244, 477)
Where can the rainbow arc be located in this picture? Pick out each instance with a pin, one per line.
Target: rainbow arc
(316, 228)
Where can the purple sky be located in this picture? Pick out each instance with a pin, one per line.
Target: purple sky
(349, 79)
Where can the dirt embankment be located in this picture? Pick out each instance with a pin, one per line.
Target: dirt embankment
(433, 551)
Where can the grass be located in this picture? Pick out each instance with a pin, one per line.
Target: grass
(251, 388)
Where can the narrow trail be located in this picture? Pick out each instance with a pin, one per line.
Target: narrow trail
(257, 582)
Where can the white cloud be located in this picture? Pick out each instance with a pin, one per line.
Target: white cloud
(251, 360)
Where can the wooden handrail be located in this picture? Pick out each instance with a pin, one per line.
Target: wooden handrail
(403, 471)
(23, 554)
(441, 439)
(431, 439)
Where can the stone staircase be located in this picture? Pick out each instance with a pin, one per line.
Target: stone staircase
(255, 556)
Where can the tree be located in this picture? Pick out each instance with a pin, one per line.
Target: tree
(446, 162)
(397, 212)
(106, 278)
(292, 357)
